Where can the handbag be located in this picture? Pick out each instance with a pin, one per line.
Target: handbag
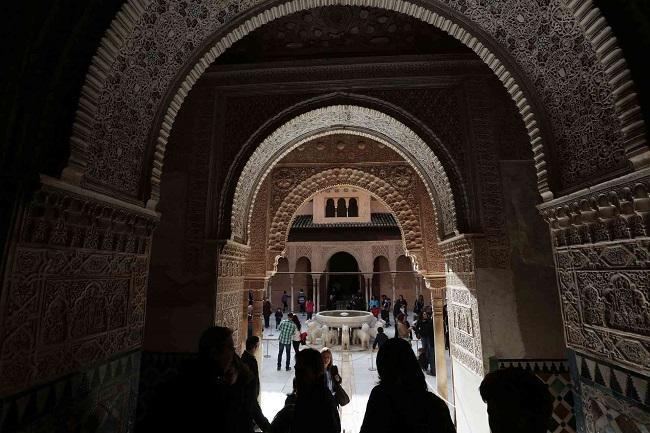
(342, 397)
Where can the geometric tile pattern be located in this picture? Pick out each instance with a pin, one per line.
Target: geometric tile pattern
(555, 374)
(618, 381)
(100, 399)
(605, 413)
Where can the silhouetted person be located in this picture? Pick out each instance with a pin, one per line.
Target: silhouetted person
(266, 311)
(425, 333)
(517, 400)
(248, 358)
(214, 392)
(388, 410)
(380, 339)
(311, 408)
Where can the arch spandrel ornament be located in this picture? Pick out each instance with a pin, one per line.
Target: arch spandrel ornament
(407, 220)
(348, 119)
(140, 61)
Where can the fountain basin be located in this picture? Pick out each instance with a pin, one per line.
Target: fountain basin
(338, 318)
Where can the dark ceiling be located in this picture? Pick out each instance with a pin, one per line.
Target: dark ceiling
(341, 31)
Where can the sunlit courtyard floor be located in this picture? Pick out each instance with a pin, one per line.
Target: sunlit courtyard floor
(356, 366)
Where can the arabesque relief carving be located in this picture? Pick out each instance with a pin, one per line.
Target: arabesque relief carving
(408, 221)
(145, 37)
(76, 288)
(292, 134)
(602, 255)
(464, 329)
(231, 259)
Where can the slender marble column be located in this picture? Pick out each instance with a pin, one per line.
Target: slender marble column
(291, 285)
(439, 332)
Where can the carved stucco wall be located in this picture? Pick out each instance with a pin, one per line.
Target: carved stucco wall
(593, 97)
(353, 120)
(408, 220)
(74, 299)
(230, 281)
(602, 255)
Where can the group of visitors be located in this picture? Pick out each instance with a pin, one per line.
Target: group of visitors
(219, 391)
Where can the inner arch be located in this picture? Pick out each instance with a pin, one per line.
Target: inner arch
(347, 119)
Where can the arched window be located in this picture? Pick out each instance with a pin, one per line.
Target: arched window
(330, 210)
(353, 208)
(341, 208)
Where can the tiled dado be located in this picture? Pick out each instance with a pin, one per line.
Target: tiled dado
(101, 398)
(611, 398)
(555, 374)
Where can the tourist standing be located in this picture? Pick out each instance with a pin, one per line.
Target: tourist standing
(397, 307)
(418, 307)
(287, 330)
(333, 379)
(311, 407)
(425, 331)
(248, 358)
(400, 375)
(266, 311)
(380, 339)
(309, 306)
(301, 301)
(296, 335)
(402, 327)
(278, 317)
(385, 309)
(285, 302)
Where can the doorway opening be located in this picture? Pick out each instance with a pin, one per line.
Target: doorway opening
(343, 280)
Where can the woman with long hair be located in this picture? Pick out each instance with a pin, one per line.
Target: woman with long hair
(333, 378)
(311, 407)
(388, 410)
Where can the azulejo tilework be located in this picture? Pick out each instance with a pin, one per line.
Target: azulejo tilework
(102, 398)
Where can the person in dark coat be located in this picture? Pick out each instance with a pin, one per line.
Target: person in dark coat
(311, 408)
(380, 339)
(266, 312)
(425, 331)
(248, 358)
(216, 390)
(399, 376)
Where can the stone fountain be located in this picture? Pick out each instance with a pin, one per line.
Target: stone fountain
(351, 318)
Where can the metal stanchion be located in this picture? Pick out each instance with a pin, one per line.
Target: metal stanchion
(267, 349)
(372, 364)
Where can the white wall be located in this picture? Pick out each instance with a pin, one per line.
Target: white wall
(471, 412)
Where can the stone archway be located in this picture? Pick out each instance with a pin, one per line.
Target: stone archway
(408, 222)
(108, 81)
(350, 120)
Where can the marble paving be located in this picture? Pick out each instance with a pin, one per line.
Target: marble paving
(357, 368)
